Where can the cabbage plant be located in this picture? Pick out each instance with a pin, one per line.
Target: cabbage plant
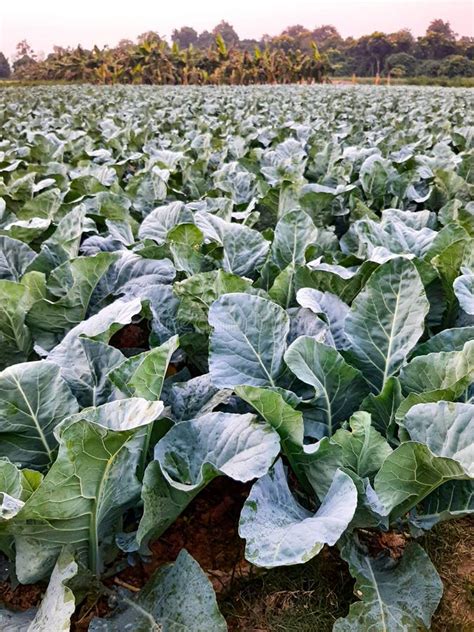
(270, 285)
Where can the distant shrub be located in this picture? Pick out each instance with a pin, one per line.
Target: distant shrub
(403, 61)
(457, 66)
(428, 68)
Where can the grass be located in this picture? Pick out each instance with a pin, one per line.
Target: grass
(311, 597)
(451, 548)
(293, 599)
(449, 82)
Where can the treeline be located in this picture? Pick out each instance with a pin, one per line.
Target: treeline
(220, 56)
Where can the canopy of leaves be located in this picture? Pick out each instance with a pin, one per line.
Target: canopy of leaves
(197, 282)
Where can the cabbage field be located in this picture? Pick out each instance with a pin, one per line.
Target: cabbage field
(271, 285)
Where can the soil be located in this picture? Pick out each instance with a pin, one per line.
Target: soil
(208, 530)
(451, 549)
(132, 336)
(392, 542)
(301, 598)
(22, 597)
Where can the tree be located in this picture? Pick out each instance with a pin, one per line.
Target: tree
(456, 66)
(358, 58)
(402, 41)
(439, 41)
(338, 61)
(248, 45)
(205, 40)
(403, 61)
(299, 37)
(466, 46)
(125, 44)
(23, 49)
(5, 70)
(185, 37)
(428, 68)
(378, 47)
(441, 28)
(296, 55)
(25, 57)
(327, 36)
(283, 42)
(150, 37)
(227, 32)
(436, 45)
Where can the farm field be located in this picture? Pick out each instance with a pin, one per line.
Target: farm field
(237, 336)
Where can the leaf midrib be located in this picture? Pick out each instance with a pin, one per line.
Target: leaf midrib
(34, 418)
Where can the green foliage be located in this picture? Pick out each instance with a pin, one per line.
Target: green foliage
(246, 274)
(457, 66)
(5, 70)
(401, 60)
(219, 56)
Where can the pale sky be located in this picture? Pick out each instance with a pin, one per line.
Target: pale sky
(70, 22)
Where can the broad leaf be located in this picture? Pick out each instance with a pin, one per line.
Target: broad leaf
(287, 421)
(160, 221)
(283, 288)
(395, 597)
(453, 370)
(143, 375)
(314, 464)
(74, 282)
(464, 290)
(447, 428)
(339, 387)
(248, 341)
(447, 340)
(127, 273)
(280, 532)
(101, 326)
(195, 397)
(85, 366)
(15, 256)
(454, 499)
(331, 307)
(15, 338)
(410, 474)
(34, 399)
(161, 605)
(384, 406)
(90, 485)
(185, 242)
(244, 249)
(346, 283)
(16, 486)
(195, 451)
(364, 449)
(386, 320)
(190, 455)
(448, 264)
(56, 608)
(294, 232)
(197, 294)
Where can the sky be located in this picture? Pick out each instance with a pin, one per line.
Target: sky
(68, 23)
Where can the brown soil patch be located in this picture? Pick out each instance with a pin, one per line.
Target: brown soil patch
(132, 336)
(451, 548)
(208, 530)
(21, 597)
(293, 599)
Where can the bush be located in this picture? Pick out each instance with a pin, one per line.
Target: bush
(404, 61)
(457, 66)
(429, 68)
(5, 71)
